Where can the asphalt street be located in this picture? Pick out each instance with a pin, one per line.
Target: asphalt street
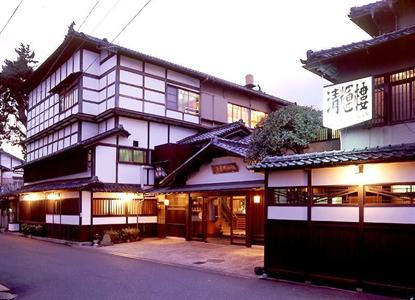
(41, 270)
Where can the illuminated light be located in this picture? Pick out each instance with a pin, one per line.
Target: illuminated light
(257, 199)
(53, 196)
(30, 197)
(166, 202)
(127, 196)
(161, 198)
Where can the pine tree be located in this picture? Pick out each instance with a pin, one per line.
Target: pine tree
(14, 96)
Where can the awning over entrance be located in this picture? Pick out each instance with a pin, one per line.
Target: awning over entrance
(212, 187)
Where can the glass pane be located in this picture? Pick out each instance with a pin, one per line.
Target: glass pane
(139, 156)
(335, 195)
(126, 155)
(293, 196)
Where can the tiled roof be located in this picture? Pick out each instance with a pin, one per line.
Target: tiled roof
(84, 144)
(317, 56)
(74, 184)
(235, 147)
(368, 8)
(246, 140)
(78, 184)
(332, 158)
(219, 131)
(103, 43)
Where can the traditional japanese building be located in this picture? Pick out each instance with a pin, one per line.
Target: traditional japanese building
(347, 217)
(10, 181)
(97, 113)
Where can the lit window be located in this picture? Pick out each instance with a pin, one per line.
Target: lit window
(132, 155)
(256, 117)
(237, 112)
(182, 100)
(68, 98)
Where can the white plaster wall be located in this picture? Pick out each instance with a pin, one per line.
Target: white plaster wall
(205, 175)
(394, 215)
(131, 63)
(91, 62)
(287, 178)
(178, 133)
(372, 174)
(131, 78)
(62, 219)
(172, 75)
(335, 214)
(89, 130)
(91, 83)
(191, 118)
(86, 208)
(154, 84)
(295, 213)
(105, 162)
(131, 91)
(131, 104)
(142, 220)
(174, 114)
(358, 138)
(154, 70)
(137, 130)
(155, 109)
(129, 173)
(154, 97)
(158, 134)
(109, 220)
(108, 64)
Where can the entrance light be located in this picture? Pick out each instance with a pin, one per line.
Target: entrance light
(257, 199)
(166, 202)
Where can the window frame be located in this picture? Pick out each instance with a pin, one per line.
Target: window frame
(176, 103)
(147, 158)
(72, 88)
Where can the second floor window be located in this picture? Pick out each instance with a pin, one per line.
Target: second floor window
(249, 116)
(237, 112)
(130, 155)
(68, 98)
(182, 100)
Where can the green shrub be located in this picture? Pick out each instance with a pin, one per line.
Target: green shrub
(35, 230)
(131, 234)
(123, 235)
(114, 235)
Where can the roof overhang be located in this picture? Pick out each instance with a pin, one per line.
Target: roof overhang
(366, 58)
(215, 187)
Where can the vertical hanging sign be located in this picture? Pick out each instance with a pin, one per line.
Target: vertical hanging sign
(348, 103)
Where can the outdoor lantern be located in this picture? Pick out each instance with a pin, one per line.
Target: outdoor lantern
(359, 169)
(166, 202)
(257, 199)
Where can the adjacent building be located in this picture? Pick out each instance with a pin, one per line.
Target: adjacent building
(347, 217)
(10, 181)
(98, 113)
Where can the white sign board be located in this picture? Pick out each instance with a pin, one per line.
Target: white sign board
(348, 103)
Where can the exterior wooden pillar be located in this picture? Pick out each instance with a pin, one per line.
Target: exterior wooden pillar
(360, 245)
(266, 201)
(309, 258)
(189, 218)
(249, 218)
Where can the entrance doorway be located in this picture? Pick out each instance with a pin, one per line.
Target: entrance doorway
(218, 219)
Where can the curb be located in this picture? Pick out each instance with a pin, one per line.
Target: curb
(52, 240)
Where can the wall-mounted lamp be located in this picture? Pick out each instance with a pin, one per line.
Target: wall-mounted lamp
(359, 169)
(257, 199)
(166, 202)
(53, 196)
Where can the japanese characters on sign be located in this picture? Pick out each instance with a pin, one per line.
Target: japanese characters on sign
(225, 168)
(348, 103)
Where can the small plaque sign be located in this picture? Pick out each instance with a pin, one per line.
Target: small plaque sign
(225, 168)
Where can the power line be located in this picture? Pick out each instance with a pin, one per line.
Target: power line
(8, 21)
(90, 12)
(132, 19)
(106, 15)
(122, 30)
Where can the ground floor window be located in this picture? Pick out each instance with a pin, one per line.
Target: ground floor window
(335, 195)
(291, 195)
(108, 207)
(390, 194)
